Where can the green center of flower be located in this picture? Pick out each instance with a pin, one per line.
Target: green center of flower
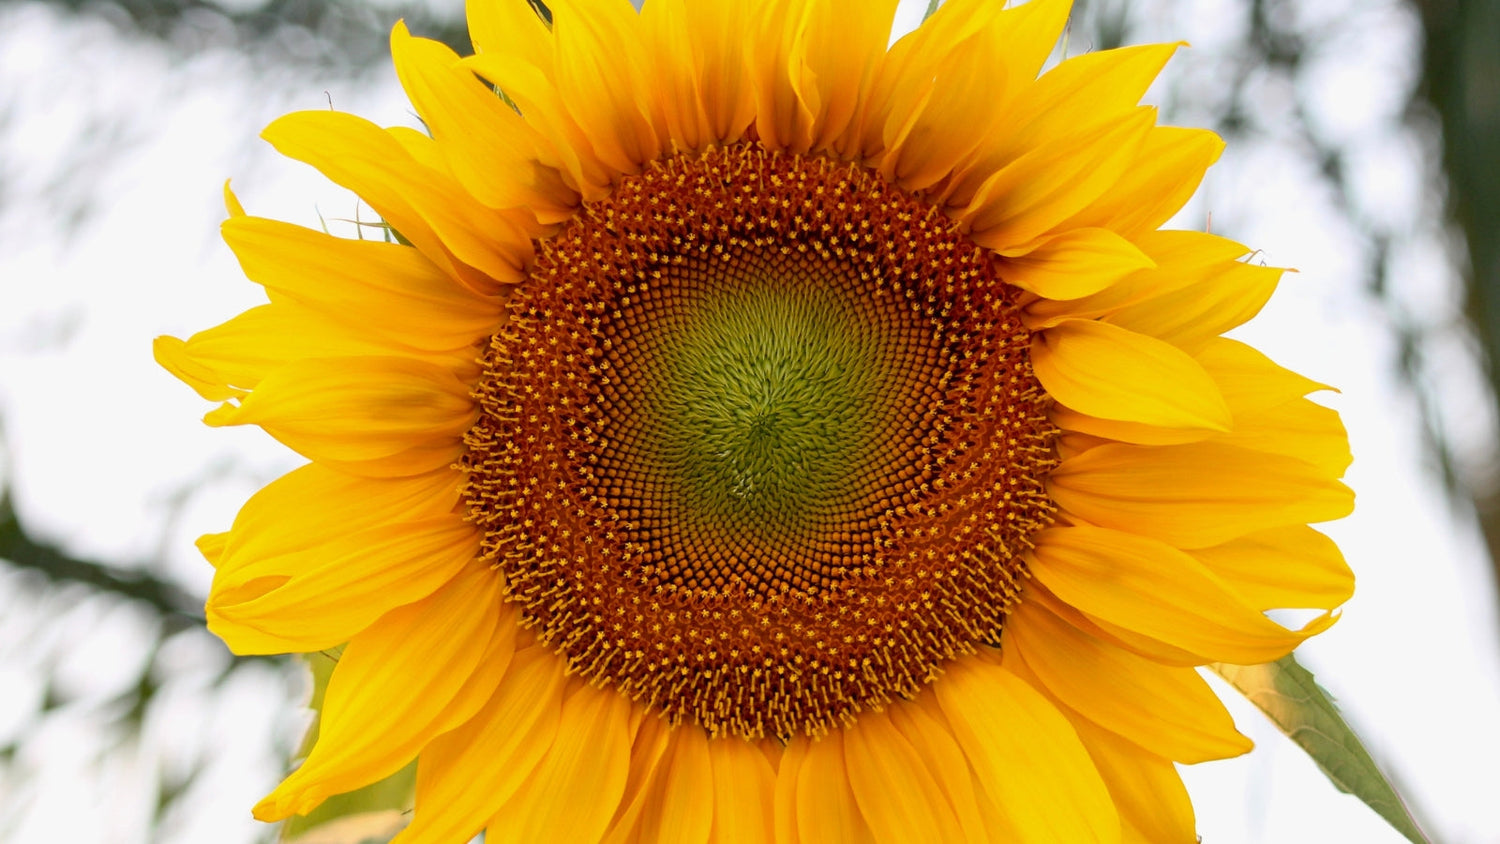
(760, 445)
(760, 401)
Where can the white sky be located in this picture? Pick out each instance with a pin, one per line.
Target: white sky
(101, 440)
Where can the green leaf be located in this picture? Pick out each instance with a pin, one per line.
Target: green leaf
(1288, 695)
(370, 815)
(932, 6)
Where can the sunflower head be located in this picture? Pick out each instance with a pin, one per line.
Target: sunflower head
(762, 430)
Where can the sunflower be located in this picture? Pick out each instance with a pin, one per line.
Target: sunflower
(751, 429)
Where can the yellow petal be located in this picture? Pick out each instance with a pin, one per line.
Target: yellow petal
(786, 95)
(1167, 173)
(386, 288)
(934, 742)
(1146, 789)
(502, 26)
(1090, 88)
(314, 505)
(679, 88)
(744, 791)
(813, 63)
(232, 202)
(419, 671)
(1006, 727)
(845, 43)
(1191, 316)
(901, 800)
(826, 808)
(1006, 46)
(491, 149)
(211, 546)
(535, 91)
(322, 596)
(360, 411)
(1182, 258)
(232, 358)
(1170, 711)
(723, 77)
(648, 752)
(174, 356)
(1033, 194)
(464, 774)
(1197, 494)
(576, 788)
(1074, 264)
(429, 208)
(604, 80)
(1249, 380)
(1111, 373)
(683, 809)
(1158, 591)
(1301, 429)
(1292, 567)
(1070, 420)
(1145, 646)
(784, 809)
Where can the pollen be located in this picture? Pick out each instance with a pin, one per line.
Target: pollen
(760, 445)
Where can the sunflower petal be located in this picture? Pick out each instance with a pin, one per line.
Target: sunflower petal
(649, 750)
(428, 208)
(1197, 494)
(604, 81)
(1302, 429)
(386, 288)
(1192, 316)
(784, 807)
(1293, 567)
(899, 797)
(1146, 789)
(1071, 421)
(174, 356)
(933, 740)
(1111, 373)
(744, 793)
(359, 410)
(320, 597)
(826, 807)
(723, 77)
(1026, 756)
(683, 809)
(1033, 194)
(409, 676)
(1170, 711)
(491, 149)
(1182, 259)
(463, 774)
(1167, 173)
(577, 786)
(1075, 263)
(1158, 591)
(1086, 89)
(313, 505)
(508, 26)
(231, 359)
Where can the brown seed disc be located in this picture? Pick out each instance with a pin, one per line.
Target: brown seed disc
(760, 445)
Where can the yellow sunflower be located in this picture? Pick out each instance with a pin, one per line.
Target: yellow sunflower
(753, 431)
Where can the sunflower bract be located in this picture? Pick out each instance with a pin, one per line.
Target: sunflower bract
(760, 433)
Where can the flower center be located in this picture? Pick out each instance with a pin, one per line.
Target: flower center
(760, 444)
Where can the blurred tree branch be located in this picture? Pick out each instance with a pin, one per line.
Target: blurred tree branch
(176, 609)
(349, 34)
(1461, 82)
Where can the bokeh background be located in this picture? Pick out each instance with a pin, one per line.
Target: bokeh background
(1364, 150)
